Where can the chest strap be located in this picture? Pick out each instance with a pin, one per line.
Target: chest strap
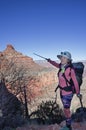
(66, 88)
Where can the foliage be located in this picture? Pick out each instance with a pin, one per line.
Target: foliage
(49, 112)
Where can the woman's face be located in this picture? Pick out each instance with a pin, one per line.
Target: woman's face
(64, 60)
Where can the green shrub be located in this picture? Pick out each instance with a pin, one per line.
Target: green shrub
(49, 112)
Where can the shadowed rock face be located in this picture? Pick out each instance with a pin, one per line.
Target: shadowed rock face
(10, 109)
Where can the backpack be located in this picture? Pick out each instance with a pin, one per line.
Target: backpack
(79, 69)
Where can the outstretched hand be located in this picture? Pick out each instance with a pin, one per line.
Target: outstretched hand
(48, 59)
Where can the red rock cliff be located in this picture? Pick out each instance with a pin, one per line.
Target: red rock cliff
(20, 70)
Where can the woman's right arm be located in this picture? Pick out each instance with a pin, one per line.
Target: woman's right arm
(53, 63)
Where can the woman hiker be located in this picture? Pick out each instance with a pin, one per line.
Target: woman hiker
(66, 92)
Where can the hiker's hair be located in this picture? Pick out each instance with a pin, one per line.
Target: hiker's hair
(69, 61)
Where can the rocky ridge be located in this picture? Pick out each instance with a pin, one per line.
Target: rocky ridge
(75, 126)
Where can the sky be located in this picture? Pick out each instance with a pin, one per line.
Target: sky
(45, 27)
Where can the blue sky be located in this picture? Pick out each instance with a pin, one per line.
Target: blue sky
(45, 27)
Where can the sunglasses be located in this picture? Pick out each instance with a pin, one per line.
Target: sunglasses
(63, 53)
